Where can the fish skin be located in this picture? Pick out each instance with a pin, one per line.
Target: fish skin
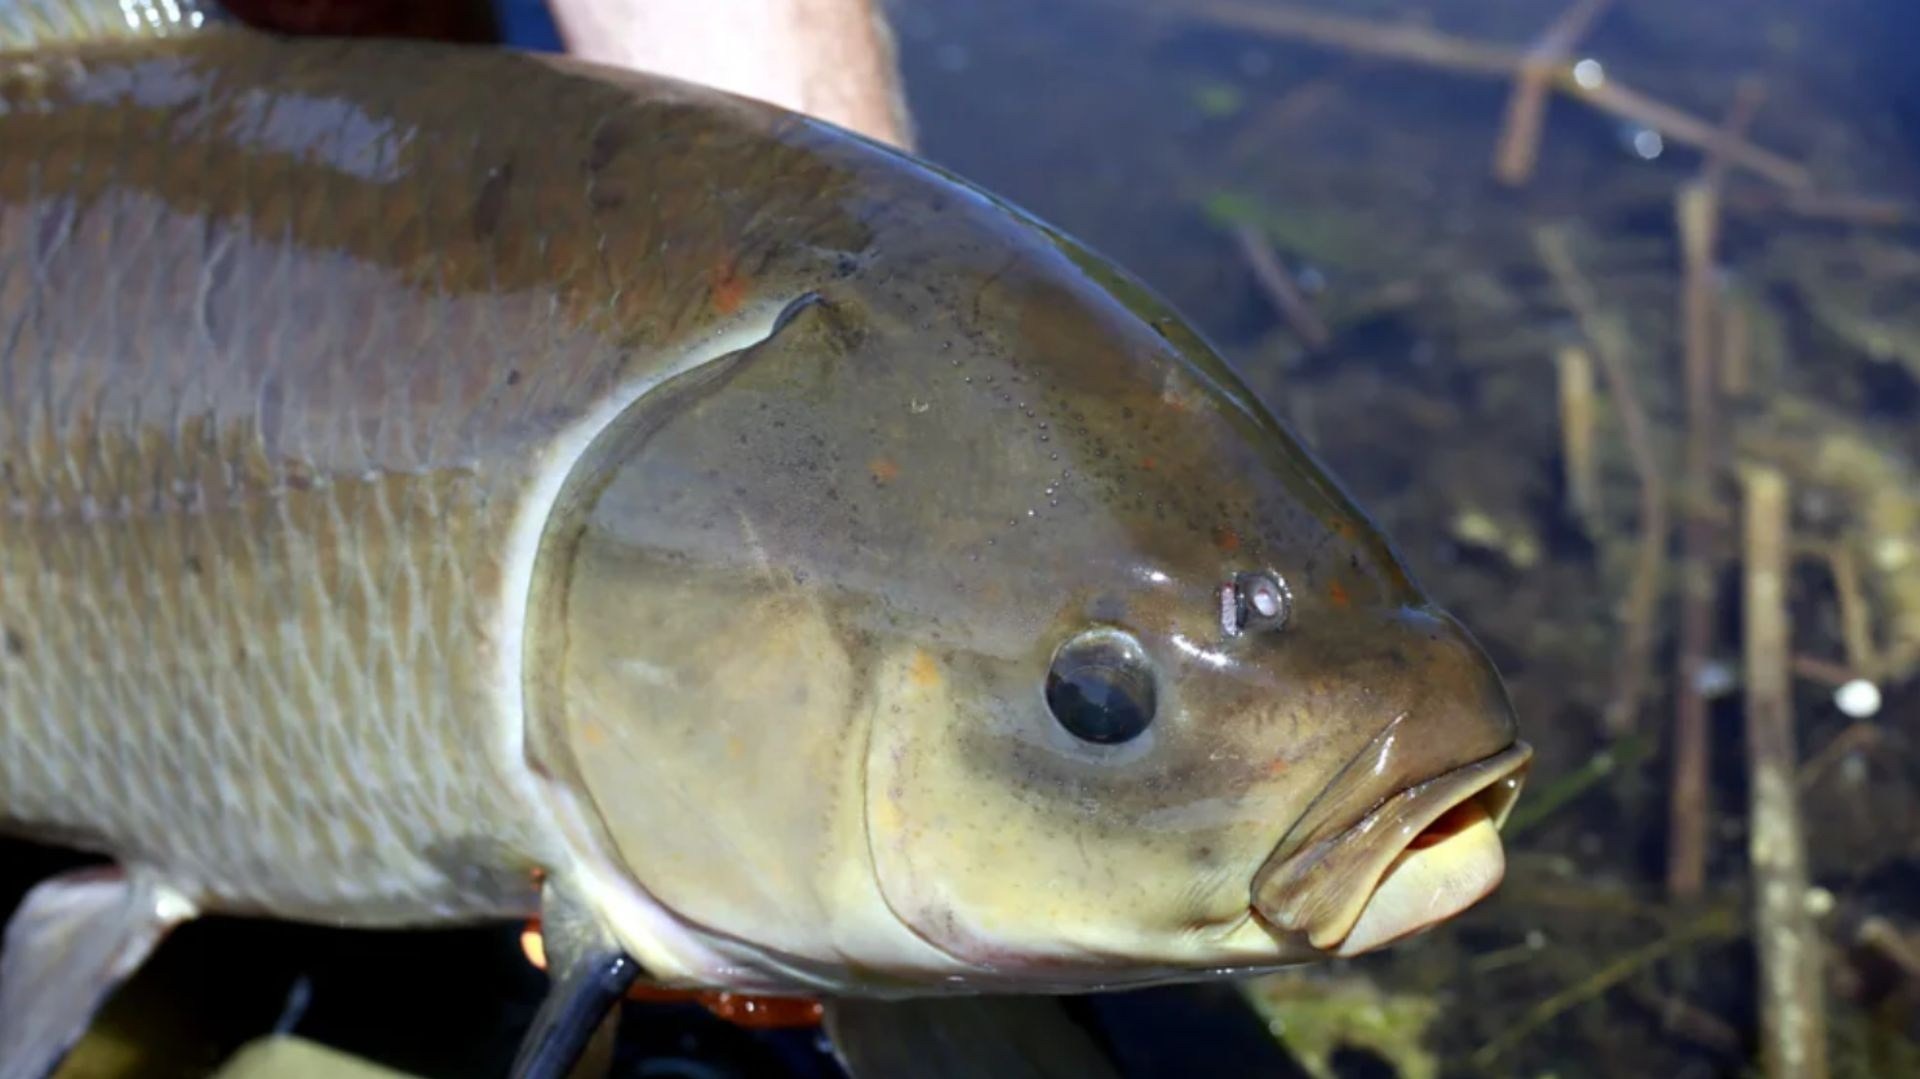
(337, 382)
(254, 344)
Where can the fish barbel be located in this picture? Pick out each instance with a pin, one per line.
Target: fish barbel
(443, 484)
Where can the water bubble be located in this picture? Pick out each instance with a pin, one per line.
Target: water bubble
(1044, 437)
(1858, 699)
(1588, 74)
(1648, 144)
(1715, 678)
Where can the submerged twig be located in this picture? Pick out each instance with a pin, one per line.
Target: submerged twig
(1824, 671)
(1678, 126)
(1519, 144)
(1792, 1012)
(1541, 804)
(1733, 129)
(1690, 1020)
(1404, 41)
(1886, 939)
(1643, 593)
(1713, 925)
(1736, 350)
(1578, 897)
(1864, 210)
(1856, 617)
(1417, 44)
(1279, 286)
(1857, 737)
(1512, 955)
(1697, 213)
(1579, 462)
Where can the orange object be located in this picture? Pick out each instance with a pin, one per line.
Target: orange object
(740, 1009)
(728, 288)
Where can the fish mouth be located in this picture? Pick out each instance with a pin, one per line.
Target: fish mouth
(1422, 856)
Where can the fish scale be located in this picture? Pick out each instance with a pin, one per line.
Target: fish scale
(236, 602)
(269, 378)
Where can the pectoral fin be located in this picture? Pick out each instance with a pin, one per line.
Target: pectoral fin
(74, 938)
(588, 974)
(963, 1038)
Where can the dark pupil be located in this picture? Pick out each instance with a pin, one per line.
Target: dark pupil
(1098, 701)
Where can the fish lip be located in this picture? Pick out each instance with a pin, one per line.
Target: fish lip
(1319, 890)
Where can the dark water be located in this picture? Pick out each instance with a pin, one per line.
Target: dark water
(1171, 138)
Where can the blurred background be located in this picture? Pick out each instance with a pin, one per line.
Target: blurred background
(1595, 307)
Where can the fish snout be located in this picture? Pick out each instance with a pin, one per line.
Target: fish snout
(1425, 855)
(1407, 835)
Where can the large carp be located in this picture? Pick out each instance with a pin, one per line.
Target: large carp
(442, 484)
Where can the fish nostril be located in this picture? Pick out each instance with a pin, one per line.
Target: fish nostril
(1255, 600)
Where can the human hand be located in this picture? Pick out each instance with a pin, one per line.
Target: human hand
(831, 59)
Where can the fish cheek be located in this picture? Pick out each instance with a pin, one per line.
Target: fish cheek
(1003, 842)
(714, 729)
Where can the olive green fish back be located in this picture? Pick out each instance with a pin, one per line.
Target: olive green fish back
(287, 332)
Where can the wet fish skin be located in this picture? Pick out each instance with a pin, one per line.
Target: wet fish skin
(440, 484)
(288, 345)
(259, 344)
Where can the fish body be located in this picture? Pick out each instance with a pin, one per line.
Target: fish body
(442, 484)
(285, 374)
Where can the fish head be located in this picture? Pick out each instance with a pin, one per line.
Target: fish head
(978, 628)
(1215, 726)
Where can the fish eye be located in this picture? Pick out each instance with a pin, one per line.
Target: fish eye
(1100, 687)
